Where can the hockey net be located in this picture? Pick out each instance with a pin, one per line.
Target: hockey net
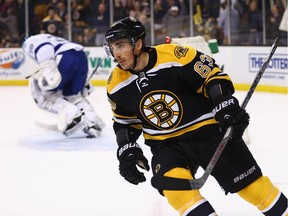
(198, 42)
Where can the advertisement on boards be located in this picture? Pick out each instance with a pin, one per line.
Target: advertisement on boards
(241, 63)
(11, 63)
(15, 65)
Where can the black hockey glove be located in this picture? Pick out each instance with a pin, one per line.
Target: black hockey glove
(130, 155)
(229, 113)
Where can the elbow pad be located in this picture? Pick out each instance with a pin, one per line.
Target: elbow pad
(217, 90)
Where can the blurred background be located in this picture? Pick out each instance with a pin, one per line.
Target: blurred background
(231, 22)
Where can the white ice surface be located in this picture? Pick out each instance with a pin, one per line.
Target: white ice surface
(42, 173)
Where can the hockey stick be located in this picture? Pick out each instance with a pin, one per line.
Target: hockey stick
(33, 74)
(94, 71)
(52, 127)
(170, 183)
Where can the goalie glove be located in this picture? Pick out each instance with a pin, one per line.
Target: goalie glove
(229, 113)
(51, 77)
(130, 155)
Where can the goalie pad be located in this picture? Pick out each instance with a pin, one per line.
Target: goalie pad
(93, 124)
(68, 118)
(46, 100)
(53, 102)
(74, 112)
(83, 104)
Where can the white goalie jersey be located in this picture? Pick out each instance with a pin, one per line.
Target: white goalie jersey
(41, 51)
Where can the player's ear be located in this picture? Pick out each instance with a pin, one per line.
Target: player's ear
(139, 44)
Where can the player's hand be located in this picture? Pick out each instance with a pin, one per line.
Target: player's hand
(229, 113)
(130, 155)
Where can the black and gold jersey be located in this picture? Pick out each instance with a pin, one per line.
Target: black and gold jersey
(169, 98)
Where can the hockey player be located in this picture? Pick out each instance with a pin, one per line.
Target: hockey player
(61, 85)
(168, 93)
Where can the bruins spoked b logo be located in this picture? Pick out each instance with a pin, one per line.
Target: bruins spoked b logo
(162, 109)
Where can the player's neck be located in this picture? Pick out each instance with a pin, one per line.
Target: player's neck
(142, 62)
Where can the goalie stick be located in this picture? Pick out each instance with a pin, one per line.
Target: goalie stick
(170, 183)
(33, 74)
(94, 71)
(52, 127)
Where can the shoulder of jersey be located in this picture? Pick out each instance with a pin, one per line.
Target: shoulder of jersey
(39, 37)
(33, 39)
(174, 53)
(118, 78)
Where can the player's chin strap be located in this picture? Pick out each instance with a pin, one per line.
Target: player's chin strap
(131, 70)
(135, 57)
(161, 182)
(135, 62)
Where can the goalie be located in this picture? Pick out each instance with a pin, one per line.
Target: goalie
(182, 103)
(61, 85)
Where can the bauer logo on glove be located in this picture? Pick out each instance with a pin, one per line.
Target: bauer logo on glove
(229, 113)
(223, 105)
(127, 146)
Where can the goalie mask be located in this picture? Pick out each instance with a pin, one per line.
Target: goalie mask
(126, 28)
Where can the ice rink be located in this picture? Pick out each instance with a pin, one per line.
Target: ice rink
(42, 173)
